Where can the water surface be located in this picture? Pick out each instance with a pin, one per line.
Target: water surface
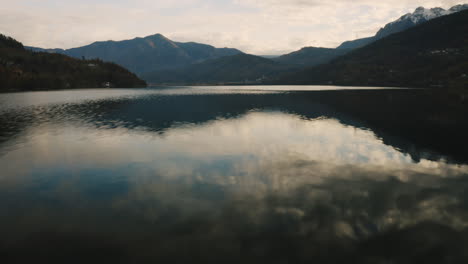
(218, 174)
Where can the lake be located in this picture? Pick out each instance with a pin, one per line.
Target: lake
(280, 174)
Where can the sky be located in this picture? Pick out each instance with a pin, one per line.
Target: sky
(263, 27)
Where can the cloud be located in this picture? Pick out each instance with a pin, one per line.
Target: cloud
(255, 26)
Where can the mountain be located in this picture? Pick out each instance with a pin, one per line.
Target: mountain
(311, 56)
(22, 69)
(419, 16)
(147, 54)
(240, 68)
(433, 54)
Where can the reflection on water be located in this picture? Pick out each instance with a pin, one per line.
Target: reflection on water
(166, 176)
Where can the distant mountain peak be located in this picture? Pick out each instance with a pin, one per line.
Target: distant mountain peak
(156, 36)
(158, 39)
(422, 14)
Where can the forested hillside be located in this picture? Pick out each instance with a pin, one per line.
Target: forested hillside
(22, 69)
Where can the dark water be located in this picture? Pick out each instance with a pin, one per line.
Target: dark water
(224, 175)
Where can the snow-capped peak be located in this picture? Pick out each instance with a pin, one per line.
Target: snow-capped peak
(419, 16)
(422, 14)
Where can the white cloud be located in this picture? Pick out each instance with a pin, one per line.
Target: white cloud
(255, 26)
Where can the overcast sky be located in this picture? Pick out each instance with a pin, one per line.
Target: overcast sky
(254, 26)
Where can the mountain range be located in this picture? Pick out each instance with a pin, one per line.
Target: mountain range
(432, 54)
(147, 54)
(390, 59)
(243, 68)
(237, 69)
(160, 60)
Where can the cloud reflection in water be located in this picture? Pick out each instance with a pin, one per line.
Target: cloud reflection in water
(264, 185)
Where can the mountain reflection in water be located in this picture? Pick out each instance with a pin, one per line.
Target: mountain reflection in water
(233, 178)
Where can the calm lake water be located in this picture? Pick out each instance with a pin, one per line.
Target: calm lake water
(218, 175)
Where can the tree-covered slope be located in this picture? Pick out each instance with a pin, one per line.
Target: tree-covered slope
(22, 69)
(433, 54)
